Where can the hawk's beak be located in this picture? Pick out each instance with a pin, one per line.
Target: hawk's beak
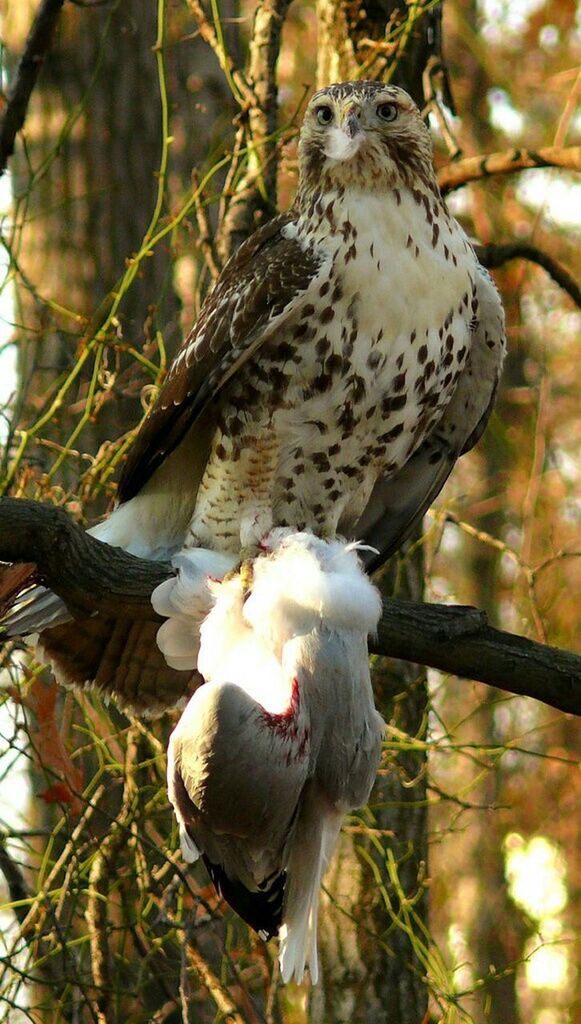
(343, 142)
(350, 122)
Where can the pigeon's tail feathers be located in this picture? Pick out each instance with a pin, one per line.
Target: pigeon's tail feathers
(261, 908)
(312, 847)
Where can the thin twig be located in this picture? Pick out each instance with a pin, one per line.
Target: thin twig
(474, 168)
(493, 256)
(205, 235)
(242, 92)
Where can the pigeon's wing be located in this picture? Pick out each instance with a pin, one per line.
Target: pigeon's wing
(226, 759)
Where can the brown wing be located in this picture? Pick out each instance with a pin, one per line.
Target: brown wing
(258, 288)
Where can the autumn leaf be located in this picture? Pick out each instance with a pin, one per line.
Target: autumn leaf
(51, 751)
(58, 793)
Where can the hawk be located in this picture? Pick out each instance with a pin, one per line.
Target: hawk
(347, 356)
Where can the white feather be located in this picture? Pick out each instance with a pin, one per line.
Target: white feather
(306, 868)
(340, 146)
(306, 581)
(232, 652)
(190, 851)
(298, 583)
(186, 599)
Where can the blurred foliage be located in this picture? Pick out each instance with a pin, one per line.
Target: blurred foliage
(102, 277)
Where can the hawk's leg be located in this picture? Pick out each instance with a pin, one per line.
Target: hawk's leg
(234, 504)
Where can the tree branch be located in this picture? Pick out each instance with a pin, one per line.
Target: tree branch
(474, 168)
(35, 50)
(254, 196)
(458, 640)
(93, 577)
(88, 575)
(492, 256)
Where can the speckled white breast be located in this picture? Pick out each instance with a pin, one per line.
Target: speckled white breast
(361, 373)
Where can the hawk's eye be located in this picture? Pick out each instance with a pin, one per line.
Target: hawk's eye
(387, 111)
(324, 115)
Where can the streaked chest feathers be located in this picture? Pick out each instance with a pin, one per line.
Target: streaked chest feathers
(352, 383)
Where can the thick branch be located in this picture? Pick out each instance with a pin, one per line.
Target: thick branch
(473, 168)
(36, 48)
(493, 256)
(88, 575)
(93, 577)
(459, 641)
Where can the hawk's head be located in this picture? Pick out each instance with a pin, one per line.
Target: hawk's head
(366, 134)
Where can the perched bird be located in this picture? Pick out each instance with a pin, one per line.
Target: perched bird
(283, 737)
(348, 354)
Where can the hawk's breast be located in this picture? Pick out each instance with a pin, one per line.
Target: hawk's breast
(355, 379)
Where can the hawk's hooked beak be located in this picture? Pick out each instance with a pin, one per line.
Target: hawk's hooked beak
(350, 122)
(344, 142)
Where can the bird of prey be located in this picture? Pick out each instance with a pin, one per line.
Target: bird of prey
(348, 354)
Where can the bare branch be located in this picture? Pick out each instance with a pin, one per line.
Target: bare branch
(255, 194)
(493, 256)
(35, 50)
(263, 56)
(217, 990)
(89, 576)
(241, 90)
(93, 577)
(474, 168)
(458, 640)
